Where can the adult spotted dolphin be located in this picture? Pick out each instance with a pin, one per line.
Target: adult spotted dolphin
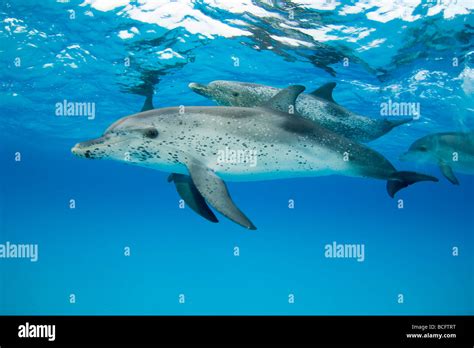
(189, 143)
(318, 106)
(450, 151)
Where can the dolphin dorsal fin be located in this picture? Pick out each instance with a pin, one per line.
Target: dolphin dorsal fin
(284, 99)
(148, 104)
(325, 92)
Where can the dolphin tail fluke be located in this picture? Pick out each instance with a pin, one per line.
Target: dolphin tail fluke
(390, 124)
(400, 180)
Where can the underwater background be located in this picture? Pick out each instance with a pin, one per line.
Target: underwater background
(113, 53)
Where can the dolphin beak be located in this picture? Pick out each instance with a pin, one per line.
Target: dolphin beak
(198, 88)
(80, 151)
(88, 148)
(75, 149)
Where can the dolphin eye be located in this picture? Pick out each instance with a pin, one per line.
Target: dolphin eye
(235, 94)
(151, 133)
(423, 148)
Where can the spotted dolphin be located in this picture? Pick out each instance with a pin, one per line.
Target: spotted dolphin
(450, 151)
(190, 143)
(318, 106)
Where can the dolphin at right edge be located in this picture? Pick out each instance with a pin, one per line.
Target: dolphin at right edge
(318, 106)
(449, 150)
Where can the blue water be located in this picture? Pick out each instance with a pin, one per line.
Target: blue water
(400, 55)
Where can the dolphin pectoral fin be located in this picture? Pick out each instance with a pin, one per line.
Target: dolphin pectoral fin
(148, 104)
(191, 196)
(448, 173)
(325, 92)
(285, 99)
(214, 190)
(400, 180)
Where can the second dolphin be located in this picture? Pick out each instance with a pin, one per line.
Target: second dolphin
(318, 106)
